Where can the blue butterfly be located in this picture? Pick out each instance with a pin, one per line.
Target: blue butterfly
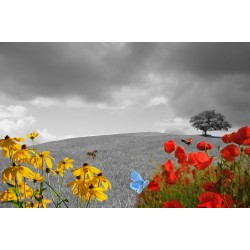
(137, 183)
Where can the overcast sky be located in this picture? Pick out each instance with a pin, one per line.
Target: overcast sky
(79, 89)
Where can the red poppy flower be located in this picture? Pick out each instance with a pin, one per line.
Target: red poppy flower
(181, 155)
(236, 138)
(244, 132)
(169, 146)
(182, 169)
(157, 178)
(209, 186)
(230, 152)
(247, 151)
(172, 204)
(169, 174)
(153, 186)
(228, 174)
(199, 160)
(214, 200)
(226, 138)
(203, 146)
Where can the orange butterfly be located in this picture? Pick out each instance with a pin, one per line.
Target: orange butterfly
(188, 141)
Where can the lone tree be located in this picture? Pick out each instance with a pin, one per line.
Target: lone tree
(209, 121)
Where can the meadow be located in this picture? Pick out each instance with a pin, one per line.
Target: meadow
(117, 155)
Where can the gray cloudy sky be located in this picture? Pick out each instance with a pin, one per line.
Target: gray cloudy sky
(78, 89)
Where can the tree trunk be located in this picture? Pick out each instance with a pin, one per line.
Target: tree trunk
(205, 132)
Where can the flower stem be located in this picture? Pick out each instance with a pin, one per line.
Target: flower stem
(88, 201)
(52, 196)
(56, 193)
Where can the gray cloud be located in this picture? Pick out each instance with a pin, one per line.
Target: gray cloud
(192, 76)
(211, 59)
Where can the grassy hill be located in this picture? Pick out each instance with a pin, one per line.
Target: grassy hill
(117, 156)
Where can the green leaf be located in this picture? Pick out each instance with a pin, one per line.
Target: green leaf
(14, 189)
(10, 185)
(42, 190)
(14, 202)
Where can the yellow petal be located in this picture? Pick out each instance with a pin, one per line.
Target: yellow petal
(48, 162)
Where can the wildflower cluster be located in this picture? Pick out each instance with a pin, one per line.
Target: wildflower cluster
(28, 177)
(200, 180)
(89, 184)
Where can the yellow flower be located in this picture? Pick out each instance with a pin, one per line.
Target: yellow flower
(77, 186)
(94, 192)
(22, 155)
(40, 159)
(85, 169)
(37, 178)
(43, 203)
(57, 171)
(101, 181)
(8, 195)
(26, 191)
(87, 190)
(18, 172)
(32, 135)
(9, 146)
(30, 204)
(66, 163)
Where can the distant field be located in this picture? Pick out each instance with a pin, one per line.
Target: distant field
(117, 156)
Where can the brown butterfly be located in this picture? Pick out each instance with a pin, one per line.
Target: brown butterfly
(92, 154)
(188, 141)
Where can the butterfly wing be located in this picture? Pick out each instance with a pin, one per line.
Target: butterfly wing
(136, 186)
(140, 188)
(135, 176)
(145, 183)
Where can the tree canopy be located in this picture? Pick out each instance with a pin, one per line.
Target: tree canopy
(209, 120)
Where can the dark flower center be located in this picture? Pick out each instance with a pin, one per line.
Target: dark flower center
(100, 174)
(47, 170)
(7, 137)
(85, 164)
(78, 177)
(24, 146)
(91, 186)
